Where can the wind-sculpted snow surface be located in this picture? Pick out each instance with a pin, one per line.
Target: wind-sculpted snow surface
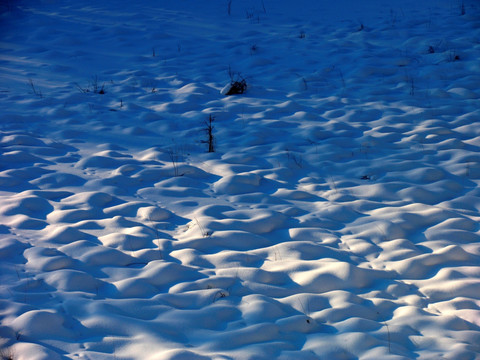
(338, 217)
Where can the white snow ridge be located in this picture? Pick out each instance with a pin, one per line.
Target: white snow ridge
(328, 210)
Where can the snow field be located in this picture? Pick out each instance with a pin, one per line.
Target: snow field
(337, 219)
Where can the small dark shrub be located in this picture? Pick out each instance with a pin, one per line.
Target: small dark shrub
(209, 130)
(93, 86)
(238, 84)
(453, 56)
(237, 87)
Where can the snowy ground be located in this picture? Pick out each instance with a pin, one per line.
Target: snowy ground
(338, 217)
